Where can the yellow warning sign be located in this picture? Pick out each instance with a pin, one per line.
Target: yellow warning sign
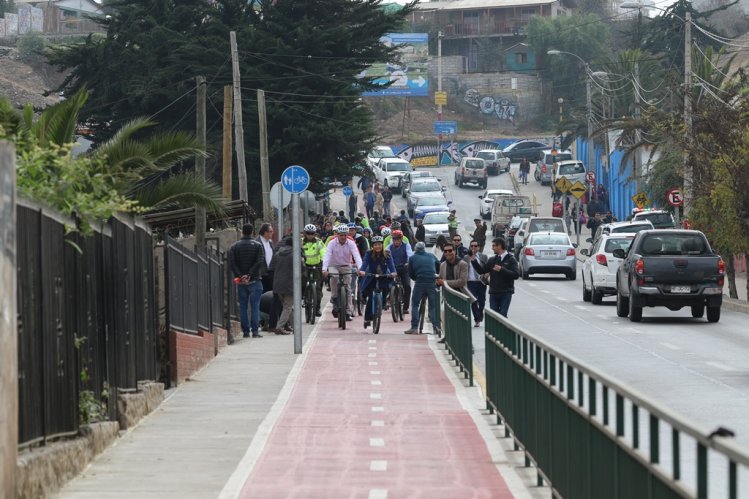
(563, 185)
(578, 189)
(440, 98)
(641, 200)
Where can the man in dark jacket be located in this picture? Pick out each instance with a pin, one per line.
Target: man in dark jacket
(479, 233)
(282, 267)
(422, 269)
(352, 203)
(503, 270)
(247, 262)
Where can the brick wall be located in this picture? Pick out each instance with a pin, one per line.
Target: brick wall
(190, 352)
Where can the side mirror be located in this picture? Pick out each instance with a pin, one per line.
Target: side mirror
(449, 203)
(583, 251)
(481, 196)
(589, 240)
(444, 188)
(619, 253)
(521, 233)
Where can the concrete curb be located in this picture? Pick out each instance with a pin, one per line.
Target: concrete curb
(735, 305)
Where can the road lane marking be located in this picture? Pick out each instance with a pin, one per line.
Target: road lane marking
(375, 396)
(546, 291)
(373, 363)
(378, 494)
(377, 442)
(604, 317)
(373, 341)
(533, 285)
(378, 422)
(375, 382)
(581, 307)
(560, 298)
(722, 367)
(378, 408)
(372, 355)
(373, 348)
(378, 465)
(670, 345)
(374, 373)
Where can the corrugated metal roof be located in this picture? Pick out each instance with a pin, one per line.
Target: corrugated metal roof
(480, 4)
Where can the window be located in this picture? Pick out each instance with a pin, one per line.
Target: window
(521, 58)
(613, 244)
(571, 169)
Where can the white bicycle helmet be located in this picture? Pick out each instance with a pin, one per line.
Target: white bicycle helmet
(377, 239)
(385, 231)
(310, 228)
(342, 229)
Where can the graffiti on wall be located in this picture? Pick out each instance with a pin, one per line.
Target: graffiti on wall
(504, 108)
(446, 153)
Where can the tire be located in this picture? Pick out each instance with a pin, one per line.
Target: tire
(310, 302)
(713, 314)
(586, 293)
(395, 303)
(341, 305)
(377, 312)
(596, 297)
(635, 312)
(698, 311)
(526, 275)
(622, 304)
(422, 313)
(572, 275)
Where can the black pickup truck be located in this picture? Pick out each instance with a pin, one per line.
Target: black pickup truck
(669, 268)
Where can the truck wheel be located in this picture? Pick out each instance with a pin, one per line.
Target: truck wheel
(586, 293)
(635, 313)
(622, 305)
(596, 297)
(713, 314)
(698, 311)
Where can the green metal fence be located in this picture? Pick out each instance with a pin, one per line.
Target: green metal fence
(591, 437)
(456, 326)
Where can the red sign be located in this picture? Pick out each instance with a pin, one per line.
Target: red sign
(674, 197)
(590, 177)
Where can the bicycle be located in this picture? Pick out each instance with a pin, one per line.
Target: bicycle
(377, 302)
(396, 300)
(310, 296)
(342, 289)
(356, 289)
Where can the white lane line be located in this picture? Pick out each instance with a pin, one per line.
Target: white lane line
(670, 345)
(373, 363)
(545, 291)
(377, 442)
(373, 341)
(604, 317)
(560, 298)
(378, 465)
(372, 355)
(533, 285)
(373, 348)
(378, 494)
(375, 396)
(374, 373)
(378, 409)
(378, 422)
(722, 367)
(581, 307)
(375, 382)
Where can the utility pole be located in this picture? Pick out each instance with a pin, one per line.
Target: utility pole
(589, 103)
(200, 87)
(227, 150)
(264, 175)
(439, 89)
(238, 126)
(687, 110)
(636, 162)
(8, 325)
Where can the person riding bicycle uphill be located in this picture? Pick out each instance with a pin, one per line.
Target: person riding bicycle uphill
(314, 251)
(339, 254)
(401, 251)
(376, 261)
(389, 238)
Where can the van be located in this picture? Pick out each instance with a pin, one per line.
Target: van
(472, 170)
(661, 219)
(496, 162)
(506, 207)
(545, 166)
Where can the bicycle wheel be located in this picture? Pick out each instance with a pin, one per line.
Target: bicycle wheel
(341, 305)
(376, 312)
(422, 313)
(310, 301)
(360, 303)
(395, 303)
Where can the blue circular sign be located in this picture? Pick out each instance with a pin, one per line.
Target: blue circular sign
(295, 179)
(347, 191)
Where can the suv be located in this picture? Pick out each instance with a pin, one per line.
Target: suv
(545, 165)
(621, 228)
(409, 177)
(530, 149)
(661, 219)
(471, 170)
(496, 162)
(389, 172)
(573, 170)
(378, 152)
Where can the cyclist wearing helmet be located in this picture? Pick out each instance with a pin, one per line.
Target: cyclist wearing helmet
(336, 232)
(401, 251)
(314, 251)
(339, 255)
(389, 238)
(376, 261)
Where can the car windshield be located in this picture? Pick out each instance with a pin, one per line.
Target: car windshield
(398, 166)
(613, 244)
(571, 169)
(426, 187)
(486, 155)
(385, 152)
(435, 218)
(474, 163)
(438, 201)
(630, 229)
(674, 244)
(546, 226)
(659, 220)
(563, 156)
(513, 202)
(553, 239)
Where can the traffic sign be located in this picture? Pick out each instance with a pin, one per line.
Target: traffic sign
(563, 185)
(674, 197)
(590, 177)
(641, 200)
(295, 179)
(403, 78)
(446, 127)
(578, 189)
(440, 98)
(279, 197)
(347, 191)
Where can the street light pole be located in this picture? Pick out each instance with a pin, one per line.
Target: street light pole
(687, 194)
(439, 89)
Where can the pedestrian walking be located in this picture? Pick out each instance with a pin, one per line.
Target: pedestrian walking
(503, 271)
(379, 205)
(352, 202)
(477, 282)
(387, 197)
(524, 169)
(369, 202)
(282, 267)
(593, 224)
(479, 233)
(422, 268)
(247, 262)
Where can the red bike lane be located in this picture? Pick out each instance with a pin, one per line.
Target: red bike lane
(373, 416)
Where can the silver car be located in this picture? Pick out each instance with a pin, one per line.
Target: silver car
(435, 224)
(548, 253)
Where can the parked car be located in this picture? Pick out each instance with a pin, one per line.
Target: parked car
(425, 187)
(661, 219)
(435, 224)
(530, 149)
(621, 228)
(545, 165)
(548, 253)
(506, 207)
(573, 170)
(428, 204)
(496, 162)
(472, 170)
(389, 172)
(409, 176)
(377, 153)
(599, 270)
(669, 268)
(487, 200)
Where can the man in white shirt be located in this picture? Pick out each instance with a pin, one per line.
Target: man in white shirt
(339, 255)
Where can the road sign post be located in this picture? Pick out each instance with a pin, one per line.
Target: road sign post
(295, 180)
(675, 199)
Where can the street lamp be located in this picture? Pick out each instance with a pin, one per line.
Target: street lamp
(687, 194)
(561, 108)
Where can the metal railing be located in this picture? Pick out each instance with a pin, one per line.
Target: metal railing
(457, 328)
(583, 430)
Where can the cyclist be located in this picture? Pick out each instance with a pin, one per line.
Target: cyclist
(314, 251)
(401, 251)
(389, 238)
(339, 254)
(376, 261)
(385, 233)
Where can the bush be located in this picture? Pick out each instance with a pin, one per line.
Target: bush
(31, 46)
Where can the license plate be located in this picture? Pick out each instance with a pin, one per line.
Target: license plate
(681, 289)
(549, 253)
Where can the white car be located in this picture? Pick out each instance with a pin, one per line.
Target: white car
(435, 223)
(599, 270)
(409, 177)
(487, 200)
(574, 170)
(389, 172)
(496, 162)
(377, 153)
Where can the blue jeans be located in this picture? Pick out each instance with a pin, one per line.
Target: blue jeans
(419, 290)
(500, 302)
(478, 290)
(249, 294)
